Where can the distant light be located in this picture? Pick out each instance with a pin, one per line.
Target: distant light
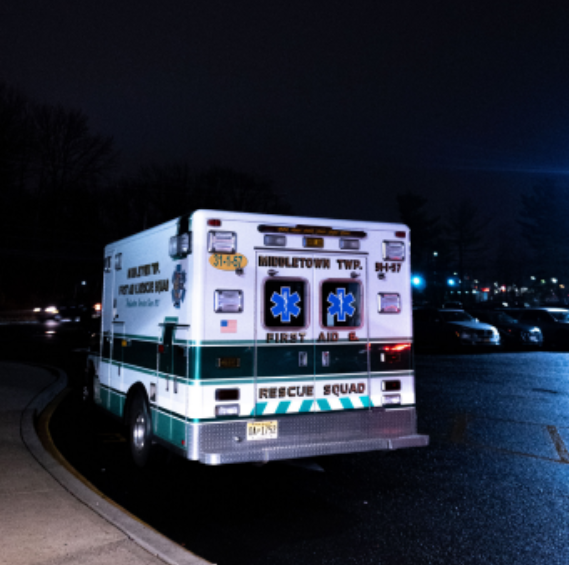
(542, 281)
(503, 288)
(83, 283)
(561, 286)
(485, 289)
(435, 254)
(553, 280)
(416, 281)
(532, 278)
(451, 282)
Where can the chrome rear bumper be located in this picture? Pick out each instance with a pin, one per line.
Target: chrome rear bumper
(306, 435)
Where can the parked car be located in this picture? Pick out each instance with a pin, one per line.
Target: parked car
(513, 333)
(553, 323)
(443, 328)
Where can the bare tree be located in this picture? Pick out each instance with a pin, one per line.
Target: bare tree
(466, 236)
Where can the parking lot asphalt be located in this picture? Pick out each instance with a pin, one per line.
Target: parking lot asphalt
(48, 514)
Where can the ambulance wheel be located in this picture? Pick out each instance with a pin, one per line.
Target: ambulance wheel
(140, 430)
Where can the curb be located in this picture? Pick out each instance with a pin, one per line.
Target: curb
(152, 541)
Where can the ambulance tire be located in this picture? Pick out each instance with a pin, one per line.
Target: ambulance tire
(140, 430)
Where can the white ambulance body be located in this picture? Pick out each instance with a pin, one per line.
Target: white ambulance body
(233, 337)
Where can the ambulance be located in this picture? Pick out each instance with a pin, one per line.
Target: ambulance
(232, 337)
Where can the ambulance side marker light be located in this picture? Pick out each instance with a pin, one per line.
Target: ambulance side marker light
(400, 234)
(225, 394)
(160, 348)
(227, 410)
(214, 223)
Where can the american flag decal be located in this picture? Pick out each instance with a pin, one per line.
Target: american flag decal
(228, 326)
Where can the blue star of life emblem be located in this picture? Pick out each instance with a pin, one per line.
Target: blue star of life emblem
(341, 304)
(285, 304)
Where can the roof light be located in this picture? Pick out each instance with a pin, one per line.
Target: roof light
(222, 242)
(180, 246)
(214, 223)
(275, 240)
(393, 251)
(311, 230)
(317, 242)
(349, 243)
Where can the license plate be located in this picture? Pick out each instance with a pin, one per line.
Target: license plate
(262, 430)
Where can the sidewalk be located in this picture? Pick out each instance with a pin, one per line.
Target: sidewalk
(47, 516)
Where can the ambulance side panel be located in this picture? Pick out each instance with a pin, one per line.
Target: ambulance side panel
(146, 332)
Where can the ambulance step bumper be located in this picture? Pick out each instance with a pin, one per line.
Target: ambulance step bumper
(307, 435)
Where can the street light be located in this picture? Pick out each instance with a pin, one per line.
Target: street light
(417, 281)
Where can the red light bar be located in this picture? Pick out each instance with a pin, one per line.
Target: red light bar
(398, 347)
(400, 234)
(214, 223)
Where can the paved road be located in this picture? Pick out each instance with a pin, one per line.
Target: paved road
(493, 486)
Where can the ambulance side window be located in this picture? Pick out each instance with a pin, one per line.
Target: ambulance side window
(285, 303)
(341, 304)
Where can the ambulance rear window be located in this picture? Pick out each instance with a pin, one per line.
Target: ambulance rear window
(341, 304)
(285, 303)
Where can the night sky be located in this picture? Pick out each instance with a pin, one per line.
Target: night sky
(342, 104)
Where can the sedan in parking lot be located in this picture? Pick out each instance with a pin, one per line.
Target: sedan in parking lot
(513, 333)
(451, 329)
(553, 323)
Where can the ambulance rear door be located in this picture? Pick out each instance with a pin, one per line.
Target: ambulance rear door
(284, 341)
(340, 314)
